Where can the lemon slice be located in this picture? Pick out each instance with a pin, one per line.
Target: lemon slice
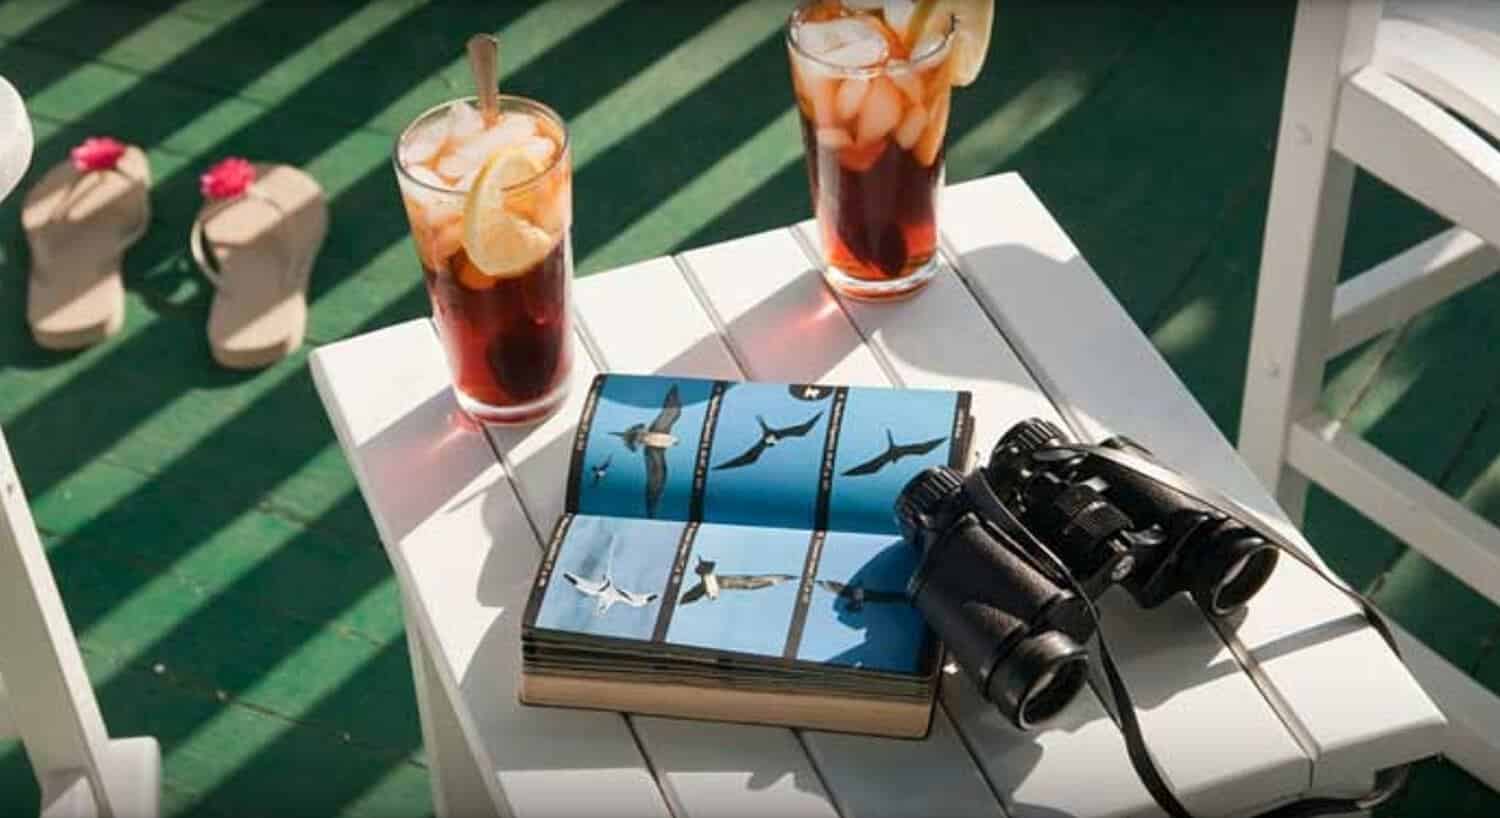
(499, 243)
(971, 40)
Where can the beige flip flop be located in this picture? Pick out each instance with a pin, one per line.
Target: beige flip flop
(255, 239)
(79, 220)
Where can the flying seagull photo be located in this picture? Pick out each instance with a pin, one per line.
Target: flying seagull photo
(653, 441)
(604, 591)
(892, 453)
(711, 583)
(768, 438)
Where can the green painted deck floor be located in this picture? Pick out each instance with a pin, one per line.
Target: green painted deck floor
(217, 562)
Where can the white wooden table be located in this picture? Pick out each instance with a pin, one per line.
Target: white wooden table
(1298, 697)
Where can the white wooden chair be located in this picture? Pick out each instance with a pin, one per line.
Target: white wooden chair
(45, 697)
(1406, 91)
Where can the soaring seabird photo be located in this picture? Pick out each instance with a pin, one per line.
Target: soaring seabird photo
(653, 442)
(769, 437)
(601, 469)
(892, 453)
(856, 595)
(711, 582)
(605, 592)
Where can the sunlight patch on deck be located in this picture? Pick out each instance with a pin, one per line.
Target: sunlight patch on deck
(991, 143)
(716, 190)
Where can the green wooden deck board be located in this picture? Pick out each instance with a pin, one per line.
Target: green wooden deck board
(205, 521)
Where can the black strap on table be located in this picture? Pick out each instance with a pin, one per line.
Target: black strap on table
(1388, 783)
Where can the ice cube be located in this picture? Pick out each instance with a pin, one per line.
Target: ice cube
(858, 54)
(905, 79)
(424, 141)
(513, 129)
(880, 113)
(821, 92)
(463, 120)
(851, 92)
(910, 129)
(460, 164)
(436, 206)
(539, 149)
(834, 138)
(932, 137)
(848, 42)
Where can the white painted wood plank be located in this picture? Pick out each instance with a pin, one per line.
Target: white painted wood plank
(1176, 666)
(866, 776)
(1473, 737)
(1406, 284)
(7, 726)
(1456, 74)
(1345, 695)
(1421, 150)
(705, 769)
(1303, 241)
(460, 546)
(764, 284)
(1418, 513)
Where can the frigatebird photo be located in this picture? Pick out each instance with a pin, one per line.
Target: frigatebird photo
(711, 583)
(653, 441)
(857, 595)
(893, 452)
(768, 438)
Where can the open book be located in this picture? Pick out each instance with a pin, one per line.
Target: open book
(729, 551)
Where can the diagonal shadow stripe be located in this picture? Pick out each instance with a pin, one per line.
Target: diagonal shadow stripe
(79, 23)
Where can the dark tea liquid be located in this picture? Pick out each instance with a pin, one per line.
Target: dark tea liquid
(874, 111)
(507, 338)
(877, 224)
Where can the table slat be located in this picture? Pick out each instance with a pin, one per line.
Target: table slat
(765, 282)
(1179, 671)
(866, 777)
(642, 318)
(1109, 378)
(437, 495)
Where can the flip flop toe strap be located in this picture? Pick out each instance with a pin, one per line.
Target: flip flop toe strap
(69, 197)
(208, 261)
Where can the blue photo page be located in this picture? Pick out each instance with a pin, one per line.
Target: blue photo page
(747, 519)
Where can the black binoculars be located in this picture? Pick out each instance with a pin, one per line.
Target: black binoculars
(1014, 553)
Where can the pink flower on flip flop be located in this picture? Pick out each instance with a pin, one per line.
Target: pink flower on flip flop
(228, 179)
(97, 153)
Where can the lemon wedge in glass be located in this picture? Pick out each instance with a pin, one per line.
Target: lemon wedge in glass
(971, 40)
(498, 242)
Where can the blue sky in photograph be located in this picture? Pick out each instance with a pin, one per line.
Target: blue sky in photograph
(880, 634)
(635, 554)
(625, 401)
(866, 502)
(746, 621)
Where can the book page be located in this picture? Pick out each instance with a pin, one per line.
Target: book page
(796, 456)
(836, 598)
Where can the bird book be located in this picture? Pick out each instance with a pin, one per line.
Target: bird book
(729, 551)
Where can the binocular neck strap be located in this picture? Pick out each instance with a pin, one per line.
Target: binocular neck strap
(1387, 782)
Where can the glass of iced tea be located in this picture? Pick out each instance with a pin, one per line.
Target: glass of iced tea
(490, 207)
(873, 83)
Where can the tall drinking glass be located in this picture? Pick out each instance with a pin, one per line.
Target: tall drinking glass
(490, 207)
(873, 93)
